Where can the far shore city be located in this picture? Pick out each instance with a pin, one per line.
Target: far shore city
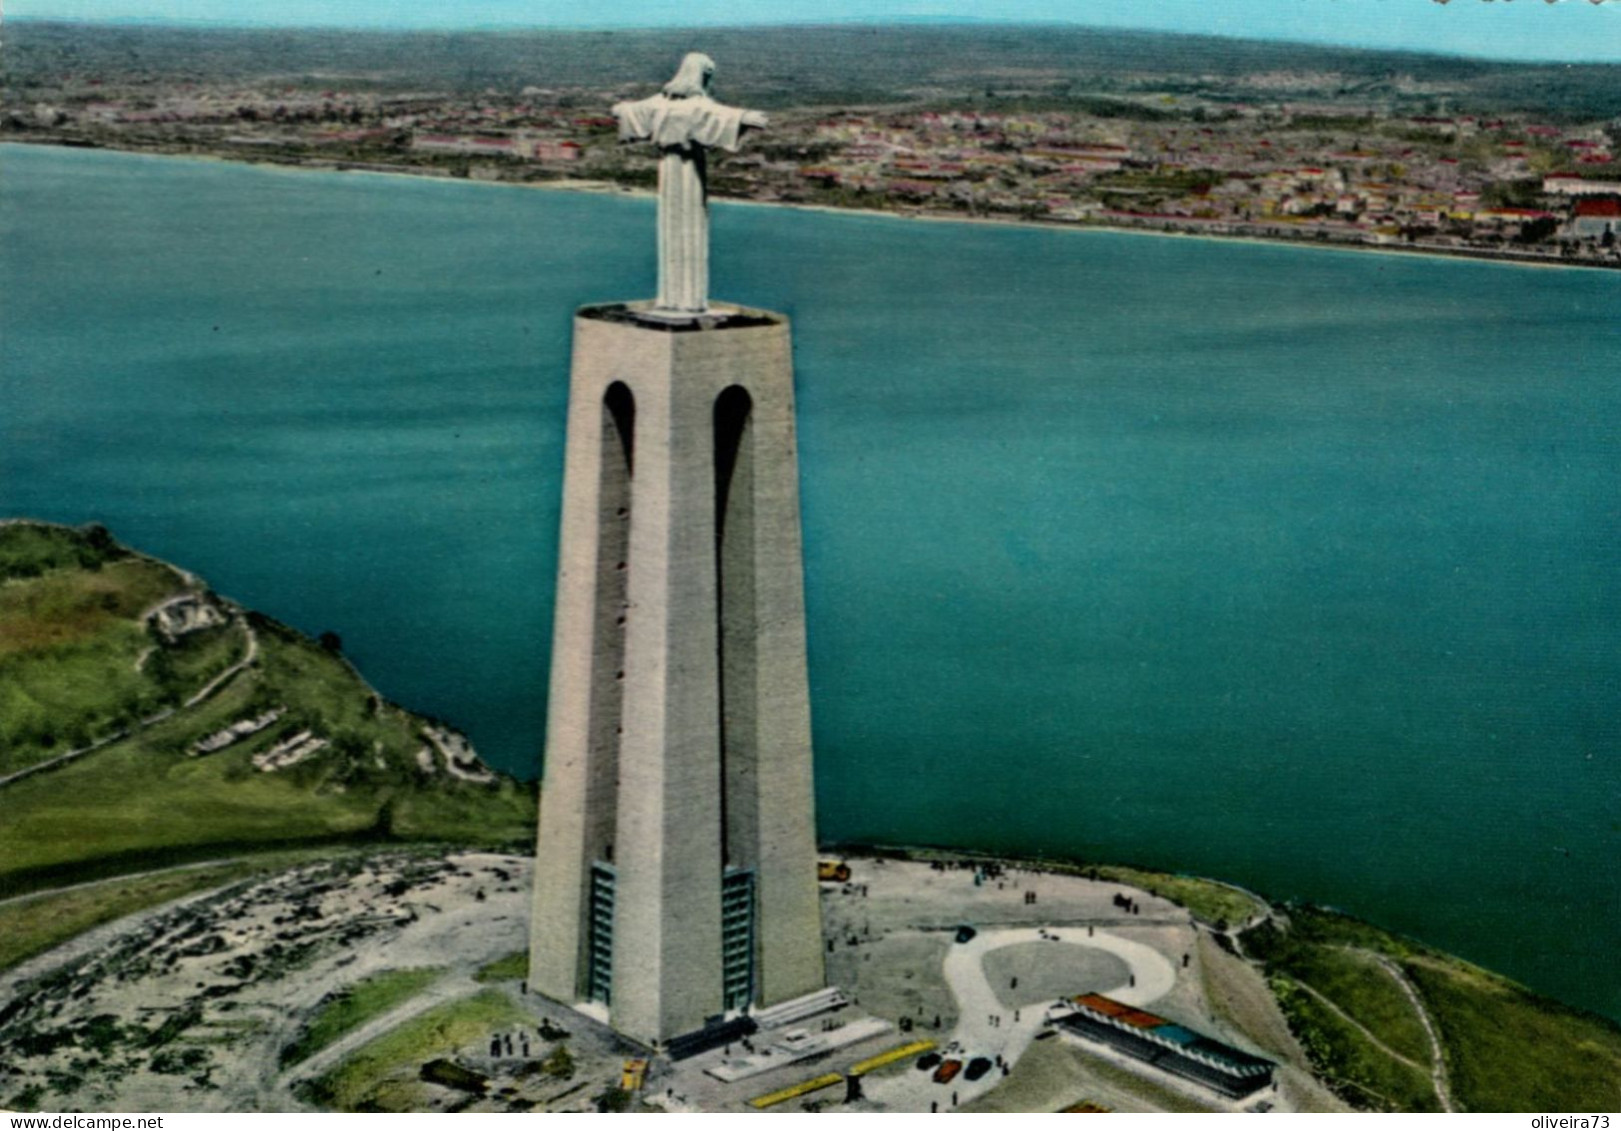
(1059, 126)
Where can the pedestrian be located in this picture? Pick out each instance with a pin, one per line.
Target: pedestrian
(953, 1099)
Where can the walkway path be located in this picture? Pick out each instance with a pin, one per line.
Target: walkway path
(224, 677)
(1438, 1067)
(1151, 977)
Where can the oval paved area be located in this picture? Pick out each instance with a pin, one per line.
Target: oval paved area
(1047, 971)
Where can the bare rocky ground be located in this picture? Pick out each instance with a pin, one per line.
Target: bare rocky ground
(190, 1007)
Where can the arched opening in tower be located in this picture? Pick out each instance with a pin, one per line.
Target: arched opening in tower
(615, 502)
(735, 612)
(735, 640)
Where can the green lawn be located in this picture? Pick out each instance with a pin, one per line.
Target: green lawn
(1207, 900)
(148, 810)
(514, 967)
(1510, 1050)
(348, 1010)
(382, 1074)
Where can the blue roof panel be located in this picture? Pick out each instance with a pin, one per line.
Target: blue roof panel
(1176, 1034)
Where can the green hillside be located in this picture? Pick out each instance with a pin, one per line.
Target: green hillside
(114, 667)
(1352, 995)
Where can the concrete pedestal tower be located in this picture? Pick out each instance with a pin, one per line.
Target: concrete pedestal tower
(675, 870)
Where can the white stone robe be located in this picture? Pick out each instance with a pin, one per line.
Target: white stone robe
(683, 129)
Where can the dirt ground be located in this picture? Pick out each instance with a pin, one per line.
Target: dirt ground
(188, 1008)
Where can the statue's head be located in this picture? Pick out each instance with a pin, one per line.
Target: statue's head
(692, 79)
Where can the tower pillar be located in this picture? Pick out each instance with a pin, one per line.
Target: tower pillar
(675, 869)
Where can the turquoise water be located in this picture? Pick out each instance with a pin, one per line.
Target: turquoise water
(1292, 566)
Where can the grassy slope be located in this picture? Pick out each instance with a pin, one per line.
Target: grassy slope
(35, 924)
(1506, 1048)
(1509, 1050)
(142, 802)
(1357, 984)
(70, 639)
(1354, 1067)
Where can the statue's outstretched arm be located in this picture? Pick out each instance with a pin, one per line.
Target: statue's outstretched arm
(754, 120)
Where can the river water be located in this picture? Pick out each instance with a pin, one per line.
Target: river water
(1292, 566)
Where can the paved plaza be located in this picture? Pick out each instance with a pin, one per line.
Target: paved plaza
(892, 946)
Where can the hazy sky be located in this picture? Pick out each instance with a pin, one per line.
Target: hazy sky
(1568, 30)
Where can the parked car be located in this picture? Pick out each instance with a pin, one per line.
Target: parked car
(927, 1061)
(947, 1072)
(977, 1068)
(965, 933)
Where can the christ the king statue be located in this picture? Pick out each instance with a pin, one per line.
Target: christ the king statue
(684, 122)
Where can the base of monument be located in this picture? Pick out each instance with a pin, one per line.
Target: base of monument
(719, 316)
(666, 314)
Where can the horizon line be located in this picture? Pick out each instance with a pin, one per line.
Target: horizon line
(185, 23)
